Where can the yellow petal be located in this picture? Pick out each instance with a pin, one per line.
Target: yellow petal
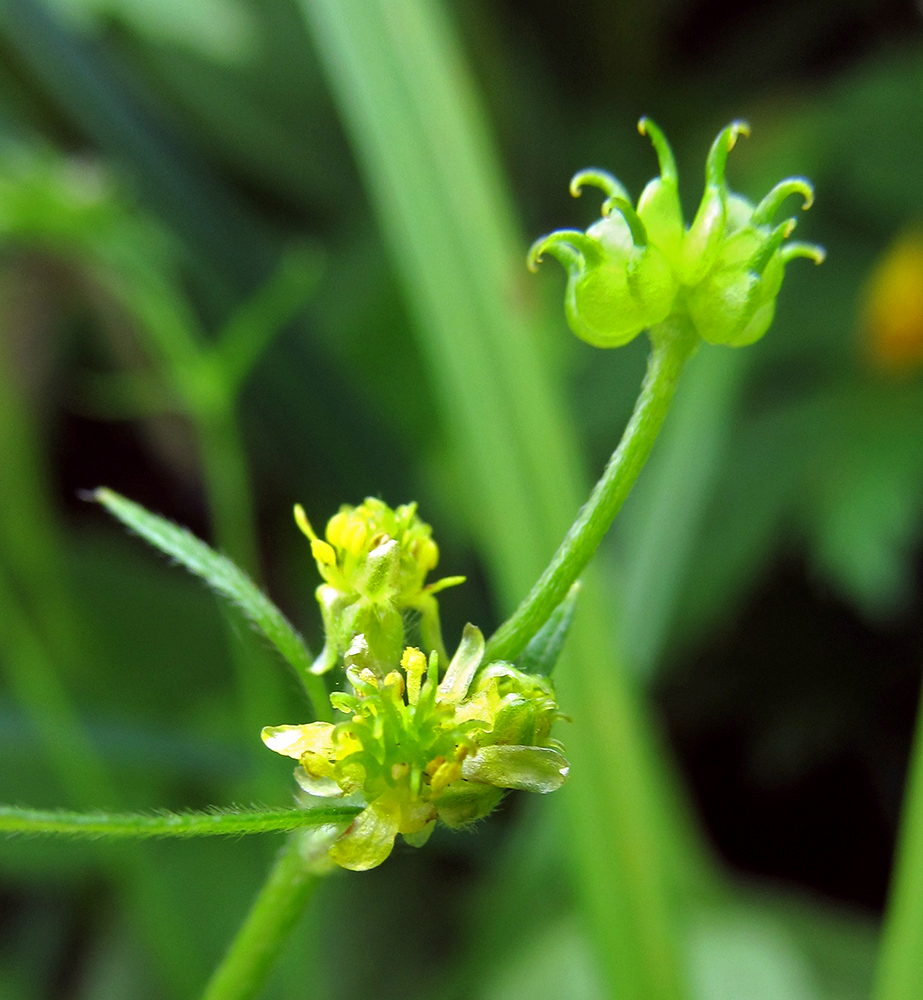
(293, 741)
(370, 838)
(301, 519)
(323, 552)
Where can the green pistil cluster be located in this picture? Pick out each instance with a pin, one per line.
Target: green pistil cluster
(637, 266)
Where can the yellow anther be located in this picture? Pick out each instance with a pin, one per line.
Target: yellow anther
(395, 680)
(445, 774)
(316, 765)
(428, 554)
(301, 519)
(433, 766)
(399, 771)
(414, 663)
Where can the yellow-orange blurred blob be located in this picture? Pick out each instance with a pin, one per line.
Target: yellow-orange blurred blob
(892, 314)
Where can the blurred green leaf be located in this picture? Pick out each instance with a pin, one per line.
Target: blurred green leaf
(226, 580)
(220, 29)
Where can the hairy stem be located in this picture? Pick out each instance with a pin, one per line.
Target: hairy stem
(137, 826)
(276, 909)
(673, 344)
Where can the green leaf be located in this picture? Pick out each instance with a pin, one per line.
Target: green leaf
(545, 647)
(211, 823)
(226, 580)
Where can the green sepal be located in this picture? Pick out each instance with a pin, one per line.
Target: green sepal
(464, 665)
(465, 802)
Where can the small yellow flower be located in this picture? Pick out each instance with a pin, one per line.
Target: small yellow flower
(892, 313)
(416, 749)
(374, 562)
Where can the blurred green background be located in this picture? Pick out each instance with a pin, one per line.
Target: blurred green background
(254, 252)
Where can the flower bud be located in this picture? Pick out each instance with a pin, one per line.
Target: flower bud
(374, 562)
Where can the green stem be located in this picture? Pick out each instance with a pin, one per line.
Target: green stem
(673, 344)
(900, 961)
(272, 916)
(139, 826)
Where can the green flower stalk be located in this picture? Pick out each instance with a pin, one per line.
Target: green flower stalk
(374, 563)
(415, 749)
(638, 266)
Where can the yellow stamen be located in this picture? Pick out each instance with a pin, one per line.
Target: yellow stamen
(433, 766)
(414, 663)
(395, 680)
(445, 775)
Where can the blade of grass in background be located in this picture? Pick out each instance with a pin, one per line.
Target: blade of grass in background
(110, 106)
(36, 640)
(900, 961)
(662, 518)
(411, 111)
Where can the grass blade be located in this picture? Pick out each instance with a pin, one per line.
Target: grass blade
(900, 962)
(412, 113)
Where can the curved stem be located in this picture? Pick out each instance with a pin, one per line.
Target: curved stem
(673, 342)
(276, 909)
